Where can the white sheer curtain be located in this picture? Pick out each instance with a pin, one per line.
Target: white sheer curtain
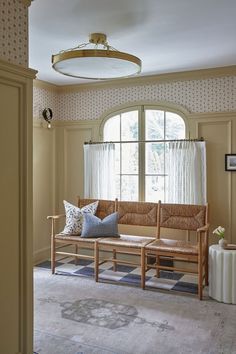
(187, 172)
(99, 171)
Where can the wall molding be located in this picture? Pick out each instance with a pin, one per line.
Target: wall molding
(11, 68)
(41, 255)
(22, 79)
(66, 131)
(44, 85)
(142, 80)
(81, 122)
(222, 120)
(213, 115)
(154, 79)
(26, 2)
(98, 122)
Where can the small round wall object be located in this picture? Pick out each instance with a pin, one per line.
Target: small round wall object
(47, 115)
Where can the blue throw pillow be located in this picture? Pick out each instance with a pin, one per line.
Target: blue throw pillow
(95, 227)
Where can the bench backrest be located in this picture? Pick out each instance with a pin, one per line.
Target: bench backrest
(183, 216)
(130, 213)
(160, 215)
(105, 207)
(138, 213)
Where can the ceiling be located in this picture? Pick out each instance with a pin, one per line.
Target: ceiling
(167, 35)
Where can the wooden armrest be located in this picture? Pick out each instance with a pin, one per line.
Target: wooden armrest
(54, 217)
(203, 228)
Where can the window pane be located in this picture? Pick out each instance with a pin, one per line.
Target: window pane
(117, 158)
(129, 188)
(129, 158)
(175, 127)
(118, 187)
(129, 125)
(155, 154)
(111, 130)
(154, 188)
(154, 121)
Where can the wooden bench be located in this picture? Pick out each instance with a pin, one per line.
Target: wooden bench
(144, 215)
(59, 240)
(140, 214)
(190, 218)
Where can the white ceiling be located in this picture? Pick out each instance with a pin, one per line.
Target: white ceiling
(167, 35)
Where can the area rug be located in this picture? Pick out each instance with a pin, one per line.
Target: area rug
(129, 275)
(75, 315)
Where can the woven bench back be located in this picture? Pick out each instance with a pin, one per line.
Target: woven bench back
(183, 216)
(105, 207)
(137, 213)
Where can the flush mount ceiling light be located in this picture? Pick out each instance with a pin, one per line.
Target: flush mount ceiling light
(102, 62)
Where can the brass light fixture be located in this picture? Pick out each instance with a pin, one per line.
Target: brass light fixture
(102, 62)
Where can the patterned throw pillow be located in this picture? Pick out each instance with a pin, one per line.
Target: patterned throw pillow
(75, 217)
(95, 227)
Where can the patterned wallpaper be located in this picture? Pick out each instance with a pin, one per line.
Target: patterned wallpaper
(43, 98)
(14, 32)
(197, 96)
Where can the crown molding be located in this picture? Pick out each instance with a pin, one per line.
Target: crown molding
(153, 79)
(213, 115)
(141, 80)
(17, 69)
(46, 85)
(26, 2)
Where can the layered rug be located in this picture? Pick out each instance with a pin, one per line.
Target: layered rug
(126, 274)
(75, 315)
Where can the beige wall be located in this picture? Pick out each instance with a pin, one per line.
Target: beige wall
(218, 129)
(16, 320)
(44, 185)
(16, 85)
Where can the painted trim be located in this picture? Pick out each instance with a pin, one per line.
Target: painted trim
(179, 110)
(228, 123)
(213, 115)
(26, 2)
(22, 79)
(17, 69)
(141, 80)
(46, 85)
(153, 79)
(66, 132)
(162, 105)
(41, 255)
(86, 122)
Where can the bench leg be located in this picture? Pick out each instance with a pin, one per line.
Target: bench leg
(76, 251)
(206, 263)
(96, 260)
(114, 263)
(143, 267)
(53, 255)
(157, 269)
(206, 272)
(200, 275)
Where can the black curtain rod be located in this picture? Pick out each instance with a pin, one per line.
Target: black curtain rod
(140, 141)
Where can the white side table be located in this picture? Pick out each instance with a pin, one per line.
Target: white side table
(222, 274)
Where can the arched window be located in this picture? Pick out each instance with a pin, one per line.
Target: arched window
(140, 134)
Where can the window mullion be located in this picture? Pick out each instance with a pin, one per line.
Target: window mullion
(164, 157)
(142, 154)
(120, 162)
